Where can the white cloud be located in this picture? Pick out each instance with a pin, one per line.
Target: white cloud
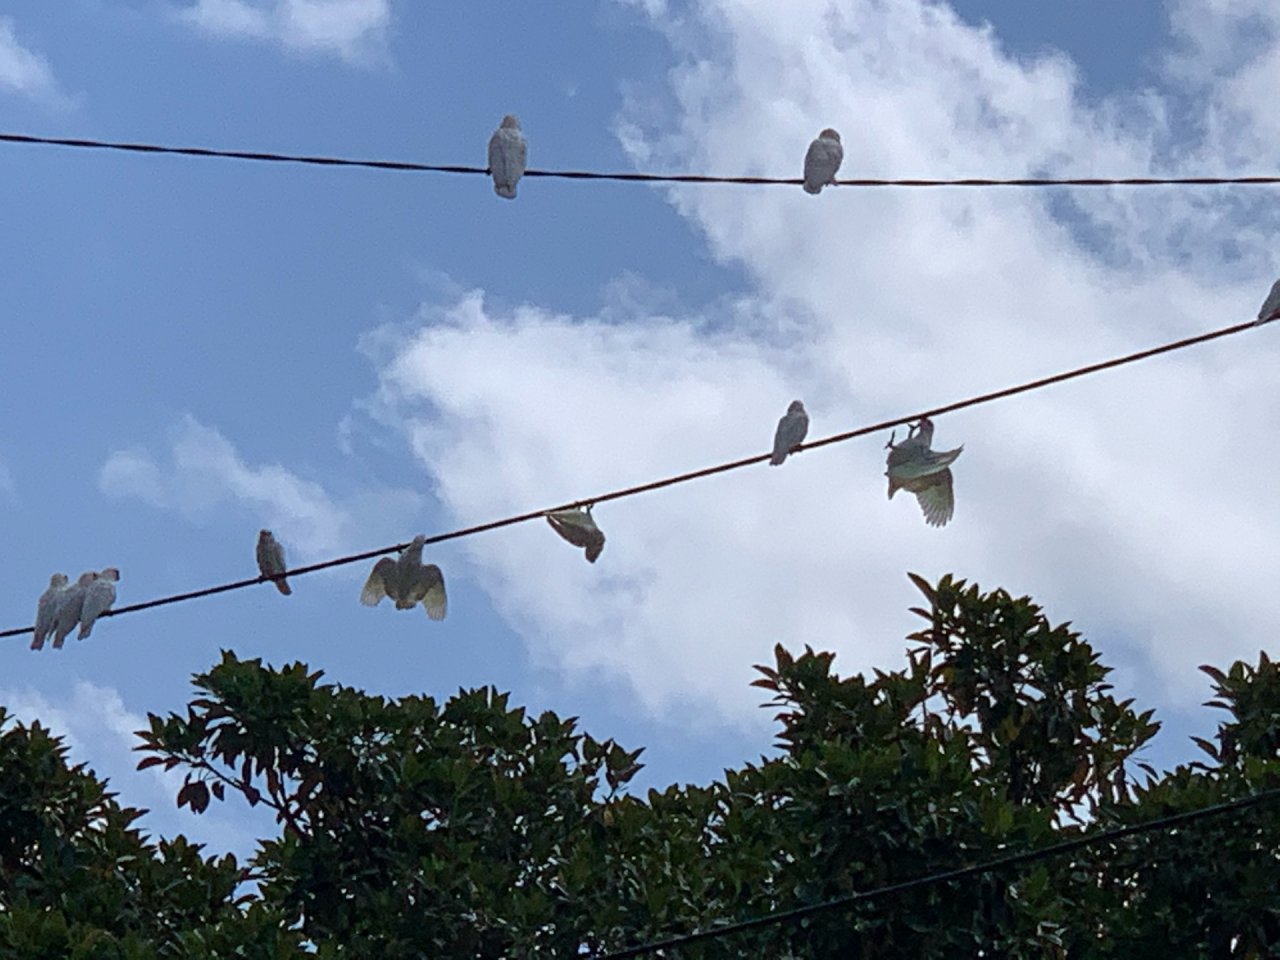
(24, 71)
(1120, 502)
(654, 8)
(205, 472)
(355, 30)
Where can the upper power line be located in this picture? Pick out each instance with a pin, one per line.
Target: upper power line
(694, 474)
(403, 165)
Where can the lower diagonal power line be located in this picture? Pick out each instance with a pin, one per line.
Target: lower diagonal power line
(932, 879)
(686, 477)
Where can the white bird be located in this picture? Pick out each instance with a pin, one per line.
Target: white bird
(271, 561)
(1271, 306)
(70, 605)
(98, 598)
(579, 528)
(507, 153)
(47, 609)
(914, 467)
(408, 582)
(822, 161)
(791, 432)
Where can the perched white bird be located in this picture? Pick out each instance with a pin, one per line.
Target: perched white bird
(408, 582)
(1271, 306)
(47, 609)
(579, 528)
(791, 432)
(70, 605)
(507, 153)
(916, 468)
(271, 561)
(822, 161)
(99, 595)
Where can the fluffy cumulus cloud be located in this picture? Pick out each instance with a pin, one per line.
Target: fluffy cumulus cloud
(355, 30)
(1136, 503)
(22, 70)
(204, 473)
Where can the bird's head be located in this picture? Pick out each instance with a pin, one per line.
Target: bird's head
(87, 578)
(58, 580)
(511, 122)
(924, 427)
(110, 573)
(264, 535)
(829, 134)
(796, 407)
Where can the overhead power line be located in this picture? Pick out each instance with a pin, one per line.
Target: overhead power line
(403, 165)
(686, 477)
(987, 866)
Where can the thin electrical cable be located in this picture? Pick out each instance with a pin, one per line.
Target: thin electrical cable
(686, 477)
(401, 165)
(987, 866)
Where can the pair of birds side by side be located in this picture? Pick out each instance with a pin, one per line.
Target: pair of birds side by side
(509, 155)
(62, 606)
(912, 464)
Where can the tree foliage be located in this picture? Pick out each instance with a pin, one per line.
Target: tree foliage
(469, 828)
(77, 880)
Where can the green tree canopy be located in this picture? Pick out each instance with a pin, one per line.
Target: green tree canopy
(468, 828)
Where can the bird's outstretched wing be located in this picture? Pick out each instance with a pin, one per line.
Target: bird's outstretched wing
(376, 587)
(920, 463)
(430, 591)
(936, 496)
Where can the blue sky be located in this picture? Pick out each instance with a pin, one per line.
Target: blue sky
(199, 348)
